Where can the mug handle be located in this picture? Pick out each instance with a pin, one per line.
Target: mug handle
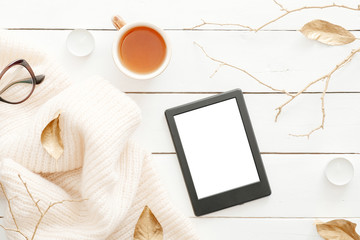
(118, 22)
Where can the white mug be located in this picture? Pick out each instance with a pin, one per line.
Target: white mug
(123, 29)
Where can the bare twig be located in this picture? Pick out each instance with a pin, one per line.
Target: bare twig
(279, 109)
(42, 214)
(321, 126)
(36, 203)
(327, 77)
(13, 230)
(222, 63)
(12, 214)
(220, 24)
(216, 70)
(47, 210)
(287, 12)
(280, 5)
(32, 198)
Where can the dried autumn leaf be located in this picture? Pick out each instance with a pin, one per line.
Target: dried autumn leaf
(326, 32)
(339, 229)
(148, 227)
(51, 138)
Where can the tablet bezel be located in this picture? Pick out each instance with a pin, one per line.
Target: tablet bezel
(231, 197)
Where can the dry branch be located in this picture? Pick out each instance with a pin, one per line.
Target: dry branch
(326, 77)
(287, 12)
(30, 195)
(222, 63)
(36, 203)
(12, 214)
(220, 24)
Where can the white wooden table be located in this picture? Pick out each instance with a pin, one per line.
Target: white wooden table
(278, 55)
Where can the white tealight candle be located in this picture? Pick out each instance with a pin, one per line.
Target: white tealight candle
(339, 171)
(80, 42)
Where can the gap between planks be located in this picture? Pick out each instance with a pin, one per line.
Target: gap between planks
(282, 153)
(253, 93)
(166, 29)
(274, 218)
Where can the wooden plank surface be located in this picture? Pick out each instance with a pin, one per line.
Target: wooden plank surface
(289, 213)
(339, 136)
(286, 60)
(167, 14)
(247, 229)
(278, 55)
(306, 194)
(259, 229)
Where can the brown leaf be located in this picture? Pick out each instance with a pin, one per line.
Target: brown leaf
(51, 138)
(327, 33)
(148, 227)
(339, 229)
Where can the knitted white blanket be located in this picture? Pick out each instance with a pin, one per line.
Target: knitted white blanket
(100, 163)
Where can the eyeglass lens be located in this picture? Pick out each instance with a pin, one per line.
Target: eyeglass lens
(16, 84)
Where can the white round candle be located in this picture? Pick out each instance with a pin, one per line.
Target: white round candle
(339, 171)
(80, 42)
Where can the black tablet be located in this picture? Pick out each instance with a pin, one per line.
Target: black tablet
(217, 152)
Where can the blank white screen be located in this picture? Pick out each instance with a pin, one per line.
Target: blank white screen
(216, 148)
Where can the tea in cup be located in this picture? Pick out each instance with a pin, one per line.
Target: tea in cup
(141, 50)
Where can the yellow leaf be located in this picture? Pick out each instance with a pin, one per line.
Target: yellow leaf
(339, 229)
(51, 138)
(148, 227)
(327, 33)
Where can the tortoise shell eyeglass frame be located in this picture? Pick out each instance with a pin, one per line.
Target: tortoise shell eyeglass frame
(34, 80)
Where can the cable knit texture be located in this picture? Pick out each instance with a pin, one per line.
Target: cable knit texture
(100, 162)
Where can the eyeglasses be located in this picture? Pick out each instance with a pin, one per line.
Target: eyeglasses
(17, 82)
